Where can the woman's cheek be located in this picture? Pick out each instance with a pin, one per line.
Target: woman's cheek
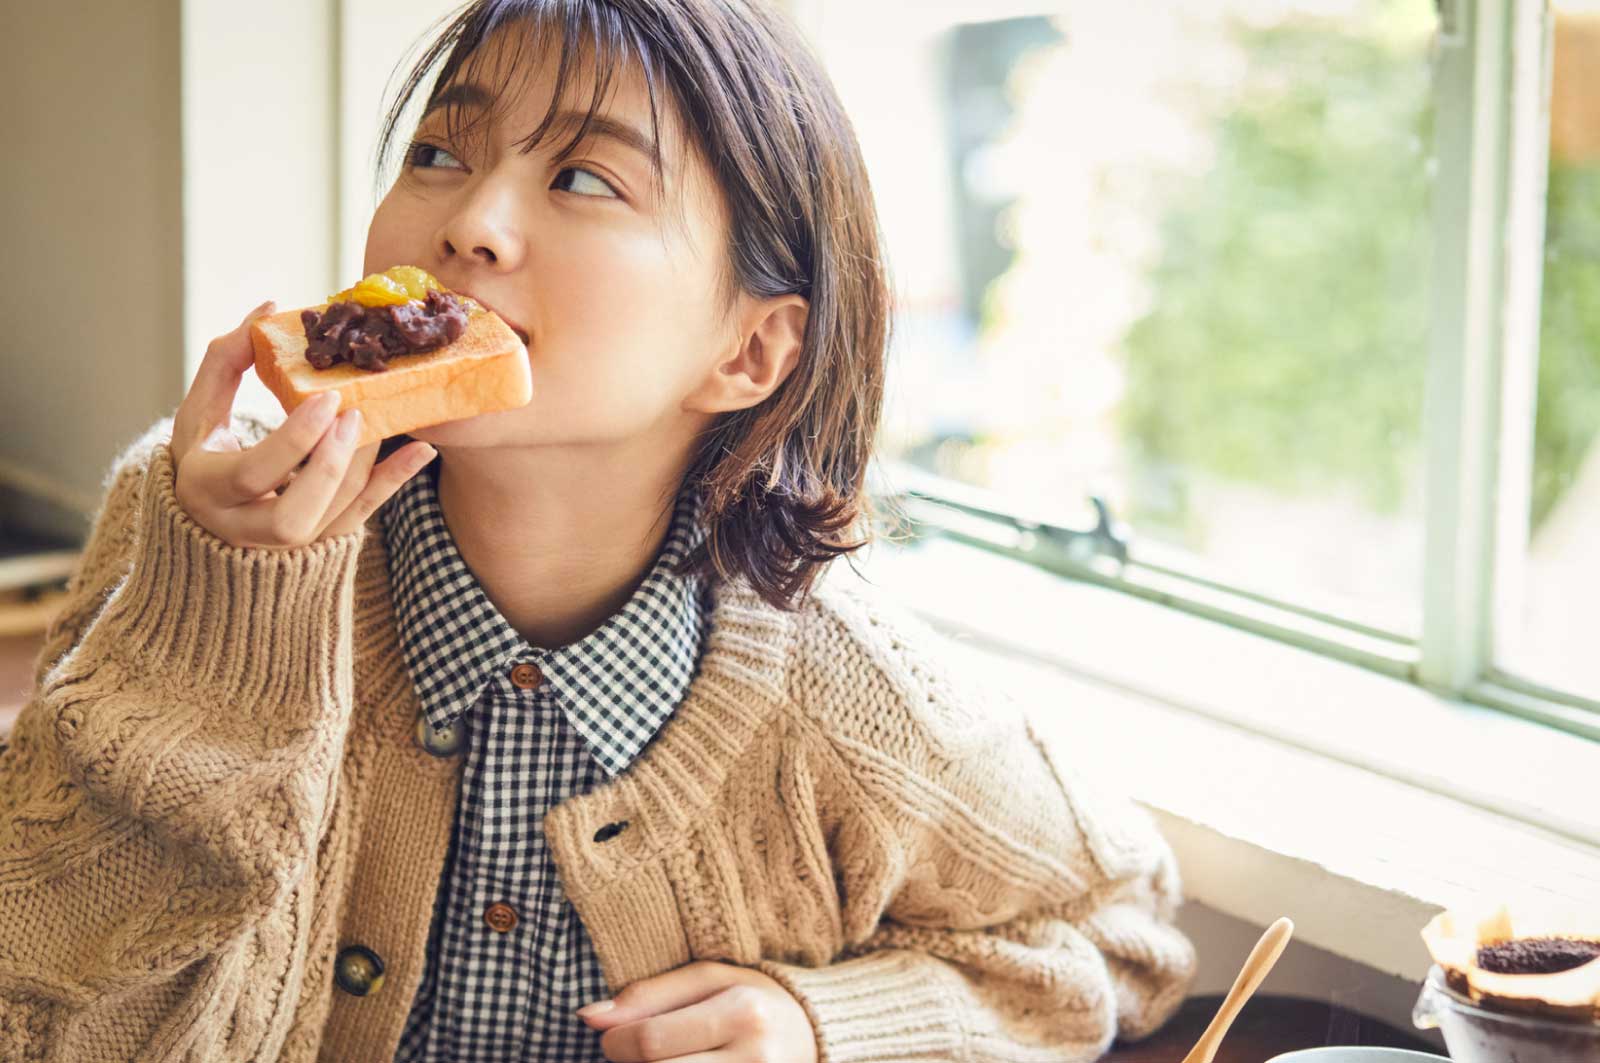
(608, 404)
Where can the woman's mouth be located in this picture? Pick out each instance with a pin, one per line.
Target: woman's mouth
(522, 333)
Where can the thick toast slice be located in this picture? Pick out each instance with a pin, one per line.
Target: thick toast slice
(483, 371)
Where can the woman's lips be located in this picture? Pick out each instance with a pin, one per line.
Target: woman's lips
(522, 333)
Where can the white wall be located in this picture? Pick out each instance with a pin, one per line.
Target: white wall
(260, 164)
(381, 39)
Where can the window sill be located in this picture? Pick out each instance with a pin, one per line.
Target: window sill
(1288, 783)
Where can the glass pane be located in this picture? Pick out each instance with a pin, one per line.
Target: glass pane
(1553, 641)
(1172, 254)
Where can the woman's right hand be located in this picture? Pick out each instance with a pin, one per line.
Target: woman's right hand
(235, 493)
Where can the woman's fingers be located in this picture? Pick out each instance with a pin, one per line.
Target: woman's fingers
(279, 521)
(699, 1026)
(232, 494)
(268, 464)
(305, 481)
(208, 404)
(300, 511)
(660, 994)
(385, 480)
(356, 476)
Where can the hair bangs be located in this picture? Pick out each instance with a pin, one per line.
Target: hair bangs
(587, 32)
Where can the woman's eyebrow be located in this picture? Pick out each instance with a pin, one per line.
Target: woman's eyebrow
(477, 97)
(460, 95)
(601, 126)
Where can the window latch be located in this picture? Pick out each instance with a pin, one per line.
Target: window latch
(1040, 540)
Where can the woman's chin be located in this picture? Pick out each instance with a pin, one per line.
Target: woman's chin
(482, 430)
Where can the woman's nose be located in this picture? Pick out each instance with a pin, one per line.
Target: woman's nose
(485, 228)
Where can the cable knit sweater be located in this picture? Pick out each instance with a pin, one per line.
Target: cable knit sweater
(215, 787)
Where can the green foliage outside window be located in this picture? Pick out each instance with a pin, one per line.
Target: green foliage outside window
(1569, 365)
(1287, 339)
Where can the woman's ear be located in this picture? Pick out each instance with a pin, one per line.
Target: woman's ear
(770, 335)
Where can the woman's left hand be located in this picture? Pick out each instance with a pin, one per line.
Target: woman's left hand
(704, 1012)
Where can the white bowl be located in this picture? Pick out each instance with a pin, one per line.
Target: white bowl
(1355, 1054)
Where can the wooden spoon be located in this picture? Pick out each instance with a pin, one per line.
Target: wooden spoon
(1254, 972)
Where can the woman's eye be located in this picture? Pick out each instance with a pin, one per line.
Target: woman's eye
(584, 183)
(426, 156)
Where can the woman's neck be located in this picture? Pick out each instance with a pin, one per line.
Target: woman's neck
(559, 540)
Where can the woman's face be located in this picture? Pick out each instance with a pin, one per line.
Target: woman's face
(617, 301)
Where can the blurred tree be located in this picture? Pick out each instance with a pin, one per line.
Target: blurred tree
(1286, 341)
(1569, 365)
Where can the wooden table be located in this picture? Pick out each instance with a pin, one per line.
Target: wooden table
(1268, 1025)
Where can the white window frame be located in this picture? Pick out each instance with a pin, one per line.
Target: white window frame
(1492, 104)
(1492, 138)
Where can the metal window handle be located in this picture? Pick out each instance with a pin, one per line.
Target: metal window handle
(1109, 538)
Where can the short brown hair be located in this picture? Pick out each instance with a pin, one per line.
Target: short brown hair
(784, 482)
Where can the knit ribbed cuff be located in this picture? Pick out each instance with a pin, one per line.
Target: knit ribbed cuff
(261, 626)
(889, 1005)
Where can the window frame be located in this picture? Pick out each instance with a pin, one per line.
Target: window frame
(1492, 76)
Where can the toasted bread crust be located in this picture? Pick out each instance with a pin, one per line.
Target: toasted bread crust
(483, 371)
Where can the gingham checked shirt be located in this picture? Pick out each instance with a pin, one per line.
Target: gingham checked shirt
(508, 959)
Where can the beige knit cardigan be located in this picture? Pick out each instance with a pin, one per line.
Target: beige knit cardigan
(215, 787)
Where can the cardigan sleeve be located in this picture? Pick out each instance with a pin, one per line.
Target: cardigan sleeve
(170, 774)
(996, 906)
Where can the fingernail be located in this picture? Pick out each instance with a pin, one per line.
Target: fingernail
(599, 1007)
(348, 421)
(265, 308)
(323, 405)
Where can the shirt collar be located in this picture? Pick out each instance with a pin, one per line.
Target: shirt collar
(616, 686)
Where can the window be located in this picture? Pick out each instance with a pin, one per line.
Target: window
(1258, 280)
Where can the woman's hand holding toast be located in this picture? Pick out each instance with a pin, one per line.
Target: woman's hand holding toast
(305, 481)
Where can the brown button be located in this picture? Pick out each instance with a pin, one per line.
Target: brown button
(526, 676)
(500, 917)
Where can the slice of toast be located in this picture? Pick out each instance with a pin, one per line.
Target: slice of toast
(486, 369)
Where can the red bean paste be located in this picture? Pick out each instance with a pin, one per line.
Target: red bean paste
(368, 336)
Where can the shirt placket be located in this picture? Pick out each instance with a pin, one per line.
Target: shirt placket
(502, 961)
(516, 960)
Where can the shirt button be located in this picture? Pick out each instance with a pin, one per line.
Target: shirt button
(444, 741)
(358, 971)
(500, 917)
(526, 676)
